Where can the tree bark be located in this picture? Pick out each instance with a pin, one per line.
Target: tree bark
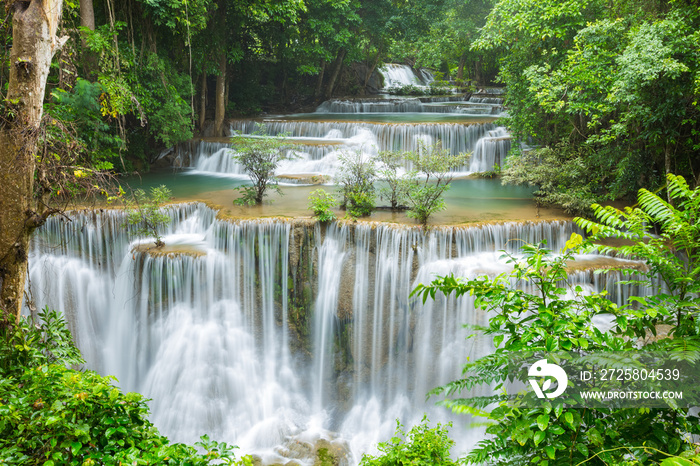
(34, 44)
(460, 68)
(477, 72)
(87, 14)
(87, 19)
(319, 83)
(370, 70)
(220, 97)
(337, 65)
(203, 102)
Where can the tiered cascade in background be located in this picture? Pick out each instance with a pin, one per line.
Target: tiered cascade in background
(461, 124)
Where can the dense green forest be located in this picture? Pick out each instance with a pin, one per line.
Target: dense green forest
(608, 91)
(138, 76)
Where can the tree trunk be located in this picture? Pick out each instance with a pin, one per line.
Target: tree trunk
(371, 70)
(203, 103)
(220, 97)
(337, 65)
(319, 83)
(667, 169)
(34, 44)
(87, 19)
(460, 68)
(87, 14)
(477, 71)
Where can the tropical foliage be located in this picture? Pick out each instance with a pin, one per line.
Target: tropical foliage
(259, 156)
(536, 308)
(321, 202)
(609, 90)
(422, 445)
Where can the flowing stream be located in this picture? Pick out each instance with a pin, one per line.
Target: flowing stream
(276, 334)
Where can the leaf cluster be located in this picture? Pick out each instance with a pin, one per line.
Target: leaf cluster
(144, 212)
(534, 308)
(422, 445)
(321, 202)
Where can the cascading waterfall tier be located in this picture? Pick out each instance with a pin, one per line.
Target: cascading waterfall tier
(266, 332)
(490, 150)
(216, 157)
(408, 105)
(378, 137)
(396, 75)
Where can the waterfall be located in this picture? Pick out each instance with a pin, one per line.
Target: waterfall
(217, 158)
(408, 105)
(204, 327)
(331, 256)
(396, 75)
(490, 150)
(402, 137)
(489, 145)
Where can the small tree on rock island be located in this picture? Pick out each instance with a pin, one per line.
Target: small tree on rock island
(144, 212)
(355, 178)
(260, 156)
(425, 196)
(34, 43)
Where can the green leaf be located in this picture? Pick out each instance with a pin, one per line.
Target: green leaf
(569, 417)
(497, 340)
(543, 421)
(594, 436)
(551, 451)
(75, 447)
(677, 461)
(558, 408)
(538, 437)
(583, 449)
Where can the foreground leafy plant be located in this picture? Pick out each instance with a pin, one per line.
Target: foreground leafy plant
(53, 415)
(536, 308)
(321, 203)
(544, 313)
(422, 445)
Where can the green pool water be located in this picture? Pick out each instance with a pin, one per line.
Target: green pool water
(469, 200)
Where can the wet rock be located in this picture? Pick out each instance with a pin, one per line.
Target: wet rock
(320, 452)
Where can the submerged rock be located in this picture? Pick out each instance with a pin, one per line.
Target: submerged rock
(298, 451)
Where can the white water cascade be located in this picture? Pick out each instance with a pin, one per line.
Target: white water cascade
(212, 328)
(396, 75)
(490, 150)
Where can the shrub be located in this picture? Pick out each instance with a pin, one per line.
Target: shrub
(260, 157)
(389, 164)
(355, 178)
(321, 203)
(144, 211)
(423, 445)
(425, 196)
(361, 204)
